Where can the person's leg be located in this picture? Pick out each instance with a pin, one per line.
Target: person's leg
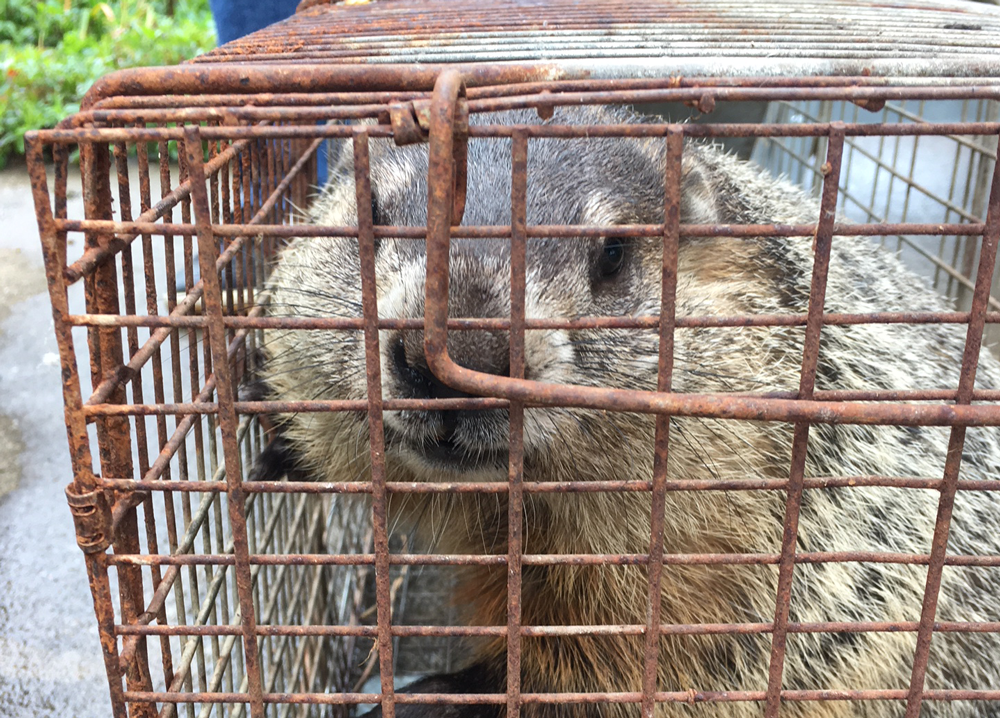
(233, 20)
(236, 18)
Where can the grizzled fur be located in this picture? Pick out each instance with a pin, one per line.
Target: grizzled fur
(617, 181)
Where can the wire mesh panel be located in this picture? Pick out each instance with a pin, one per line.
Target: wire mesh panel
(170, 364)
(183, 320)
(525, 405)
(927, 38)
(903, 179)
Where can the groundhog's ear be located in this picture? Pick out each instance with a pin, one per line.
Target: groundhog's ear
(335, 204)
(699, 203)
(339, 158)
(340, 154)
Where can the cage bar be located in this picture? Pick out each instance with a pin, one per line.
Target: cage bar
(299, 597)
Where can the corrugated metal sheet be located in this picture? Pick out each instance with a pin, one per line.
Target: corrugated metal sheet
(643, 37)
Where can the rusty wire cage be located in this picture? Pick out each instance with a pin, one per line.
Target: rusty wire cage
(895, 179)
(218, 595)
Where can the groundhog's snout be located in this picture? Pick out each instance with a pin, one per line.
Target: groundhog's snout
(478, 288)
(457, 439)
(486, 352)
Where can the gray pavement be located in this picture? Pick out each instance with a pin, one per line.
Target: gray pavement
(50, 659)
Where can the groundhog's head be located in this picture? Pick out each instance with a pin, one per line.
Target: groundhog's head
(590, 181)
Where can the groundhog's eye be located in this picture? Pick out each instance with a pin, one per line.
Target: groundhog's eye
(612, 257)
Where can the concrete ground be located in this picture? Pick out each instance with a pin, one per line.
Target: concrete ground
(50, 658)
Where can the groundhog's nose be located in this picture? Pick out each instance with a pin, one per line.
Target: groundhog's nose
(480, 351)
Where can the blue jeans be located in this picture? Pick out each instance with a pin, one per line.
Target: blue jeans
(234, 19)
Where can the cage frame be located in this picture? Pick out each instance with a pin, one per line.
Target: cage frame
(433, 104)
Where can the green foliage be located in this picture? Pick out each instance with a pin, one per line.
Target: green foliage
(51, 51)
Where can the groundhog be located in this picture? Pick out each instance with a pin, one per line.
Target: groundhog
(620, 181)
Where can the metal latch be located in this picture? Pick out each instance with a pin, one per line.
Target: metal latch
(411, 121)
(92, 516)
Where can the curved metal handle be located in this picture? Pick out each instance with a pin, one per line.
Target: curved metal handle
(440, 212)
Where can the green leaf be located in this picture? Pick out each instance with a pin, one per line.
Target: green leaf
(51, 52)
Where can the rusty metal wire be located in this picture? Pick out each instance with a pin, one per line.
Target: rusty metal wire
(256, 597)
(893, 182)
(618, 38)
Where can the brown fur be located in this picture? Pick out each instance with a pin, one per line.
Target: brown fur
(608, 181)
